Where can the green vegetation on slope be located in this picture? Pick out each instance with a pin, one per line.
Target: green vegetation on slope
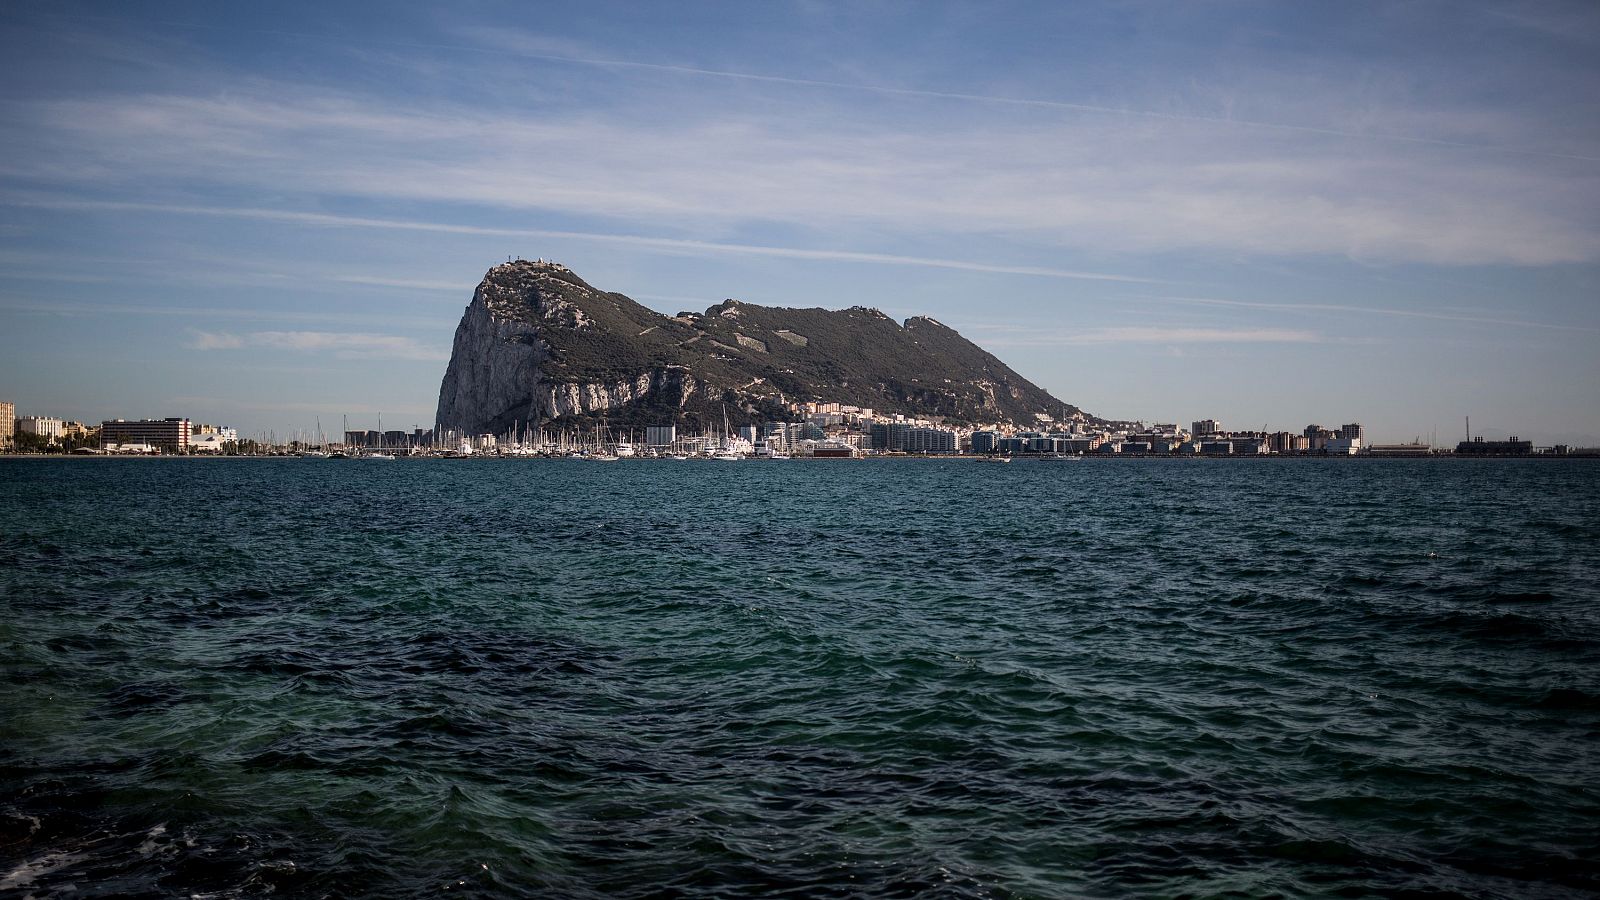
(761, 361)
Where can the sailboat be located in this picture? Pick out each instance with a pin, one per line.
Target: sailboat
(344, 447)
(318, 452)
(726, 453)
(380, 454)
(602, 447)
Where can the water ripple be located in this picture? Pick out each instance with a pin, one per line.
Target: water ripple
(891, 679)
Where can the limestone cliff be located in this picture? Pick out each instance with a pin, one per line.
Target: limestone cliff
(537, 343)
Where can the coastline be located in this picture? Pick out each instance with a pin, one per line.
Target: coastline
(1096, 457)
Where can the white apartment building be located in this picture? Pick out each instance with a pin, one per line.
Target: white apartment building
(47, 427)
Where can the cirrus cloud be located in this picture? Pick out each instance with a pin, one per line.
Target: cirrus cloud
(341, 344)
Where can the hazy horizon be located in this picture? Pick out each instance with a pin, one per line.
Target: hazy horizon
(1263, 215)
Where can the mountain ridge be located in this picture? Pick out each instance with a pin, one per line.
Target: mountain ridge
(538, 343)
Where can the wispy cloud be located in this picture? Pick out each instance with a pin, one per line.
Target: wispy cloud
(1343, 308)
(343, 345)
(34, 306)
(669, 245)
(1111, 186)
(419, 284)
(516, 42)
(214, 340)
(1142, 334)
(397, 411)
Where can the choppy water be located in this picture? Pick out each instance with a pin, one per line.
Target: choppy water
(238, 677)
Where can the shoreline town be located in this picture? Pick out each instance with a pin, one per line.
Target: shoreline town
(824, 431)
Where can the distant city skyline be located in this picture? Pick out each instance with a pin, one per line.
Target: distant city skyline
(1270, 216)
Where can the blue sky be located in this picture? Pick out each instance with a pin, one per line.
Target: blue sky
(1263, 213)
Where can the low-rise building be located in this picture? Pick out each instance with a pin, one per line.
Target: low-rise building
(1253, 444)
(222, 432)
(1413, 450)
(1480, 447)
(77, 431)
(210, 442)
(47, 427)
(170, 435)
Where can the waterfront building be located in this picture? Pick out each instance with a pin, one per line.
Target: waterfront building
(1317, 437)
(899, 435)
(931, 440)
(1401, 450)
(660, 435)
(1216, 448)
(1203, 427)
(1353, 431)
(1248, 444)
(47, 427)
(1480, 447)
(1340, 446)
(890, 436)
(779, 435)
(210, 442)
(77, 431)
(170, 434)
(985, 441)
(829, 450)
(8, 423)
(1159, 441)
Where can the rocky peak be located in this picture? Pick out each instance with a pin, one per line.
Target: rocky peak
(539, 343)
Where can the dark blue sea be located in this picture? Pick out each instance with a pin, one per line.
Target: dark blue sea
(302, 678)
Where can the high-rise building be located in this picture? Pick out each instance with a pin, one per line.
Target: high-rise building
(8, 423)
(1204, 427)
(1353, 431)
